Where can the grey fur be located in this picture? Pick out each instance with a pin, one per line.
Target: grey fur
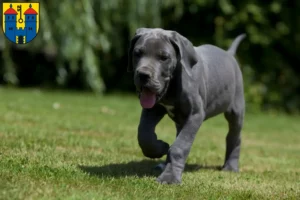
(232, 49)
(192, 84)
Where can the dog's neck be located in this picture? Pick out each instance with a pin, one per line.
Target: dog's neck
(171, 88)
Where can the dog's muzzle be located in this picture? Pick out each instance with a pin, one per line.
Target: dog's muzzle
(150, 89)
(148, 97)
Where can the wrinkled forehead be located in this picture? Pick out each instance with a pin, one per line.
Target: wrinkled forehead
(154, 42)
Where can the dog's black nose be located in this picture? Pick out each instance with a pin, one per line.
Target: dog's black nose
(143, 76)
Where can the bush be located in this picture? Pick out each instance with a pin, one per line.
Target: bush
(84, 45)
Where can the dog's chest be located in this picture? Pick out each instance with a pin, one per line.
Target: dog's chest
(169, 109)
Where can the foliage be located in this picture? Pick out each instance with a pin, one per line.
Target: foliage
(84, 44)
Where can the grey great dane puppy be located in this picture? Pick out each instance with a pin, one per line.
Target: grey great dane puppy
(190, 84)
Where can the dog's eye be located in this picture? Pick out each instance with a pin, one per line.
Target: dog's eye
(163, 57)
(138, 53)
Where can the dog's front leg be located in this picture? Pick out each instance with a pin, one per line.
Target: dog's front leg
(180, 149)
(150, 145)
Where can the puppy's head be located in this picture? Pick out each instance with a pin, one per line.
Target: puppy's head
(153, 56)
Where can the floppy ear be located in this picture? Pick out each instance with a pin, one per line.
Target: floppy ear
(185, 49)
(139, 32)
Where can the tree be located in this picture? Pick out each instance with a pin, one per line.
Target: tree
(84, 44)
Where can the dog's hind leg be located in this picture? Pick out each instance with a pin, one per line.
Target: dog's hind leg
(235, 118)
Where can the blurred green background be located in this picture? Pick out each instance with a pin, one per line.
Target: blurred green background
(82, 44)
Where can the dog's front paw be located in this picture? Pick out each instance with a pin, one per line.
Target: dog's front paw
(230, 168)
(169, 176)
(168, 179)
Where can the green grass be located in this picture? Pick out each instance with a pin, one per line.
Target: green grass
(62, 145)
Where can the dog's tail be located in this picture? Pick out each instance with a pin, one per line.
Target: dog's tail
(232, 49)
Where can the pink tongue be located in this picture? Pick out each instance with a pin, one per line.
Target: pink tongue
(147, 98)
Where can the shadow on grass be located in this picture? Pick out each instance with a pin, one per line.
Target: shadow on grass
(136, 168)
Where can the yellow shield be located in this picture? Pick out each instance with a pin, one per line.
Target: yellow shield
(20, 21)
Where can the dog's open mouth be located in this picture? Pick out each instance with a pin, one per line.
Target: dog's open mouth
(147, 98)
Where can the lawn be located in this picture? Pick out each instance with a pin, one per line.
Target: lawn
(68, 145)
